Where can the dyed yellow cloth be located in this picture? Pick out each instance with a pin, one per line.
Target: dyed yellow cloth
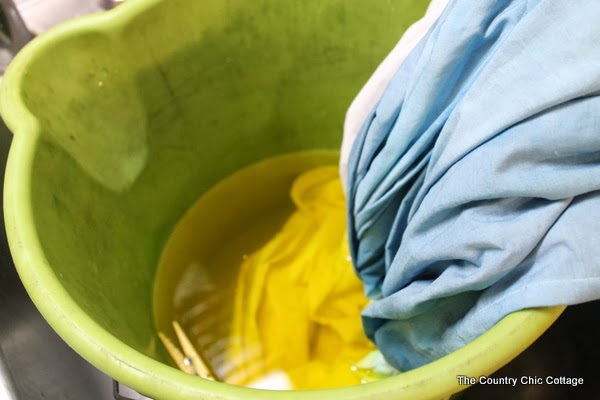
(298, 304)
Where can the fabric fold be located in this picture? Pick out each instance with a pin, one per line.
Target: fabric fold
(473, 183)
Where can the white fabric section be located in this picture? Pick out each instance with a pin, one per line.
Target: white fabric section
(370, 94)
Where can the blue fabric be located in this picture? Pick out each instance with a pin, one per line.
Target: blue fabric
(473, 185)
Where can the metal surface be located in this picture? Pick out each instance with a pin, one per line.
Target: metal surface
(40, 15)
(7, 387)
(121, 392)
(36, 362)
(13, 32)
(20, 20)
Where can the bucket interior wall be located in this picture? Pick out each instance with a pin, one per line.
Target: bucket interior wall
(136, 124)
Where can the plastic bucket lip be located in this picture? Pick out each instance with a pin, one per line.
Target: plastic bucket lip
(436, 380)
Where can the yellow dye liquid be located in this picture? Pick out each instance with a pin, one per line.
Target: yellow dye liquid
(259, 276)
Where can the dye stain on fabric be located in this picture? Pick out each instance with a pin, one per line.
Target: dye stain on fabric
(259, 276)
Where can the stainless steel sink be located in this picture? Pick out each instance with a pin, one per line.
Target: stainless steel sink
(7, 386)
(34, 361)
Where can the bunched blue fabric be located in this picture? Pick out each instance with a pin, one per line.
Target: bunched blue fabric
(473, 185)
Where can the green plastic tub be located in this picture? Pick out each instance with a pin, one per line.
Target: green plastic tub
(122, 120)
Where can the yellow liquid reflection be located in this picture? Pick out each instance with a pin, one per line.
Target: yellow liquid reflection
(258, 274)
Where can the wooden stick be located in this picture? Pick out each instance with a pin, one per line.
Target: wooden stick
(200, 365)
(176, 354)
